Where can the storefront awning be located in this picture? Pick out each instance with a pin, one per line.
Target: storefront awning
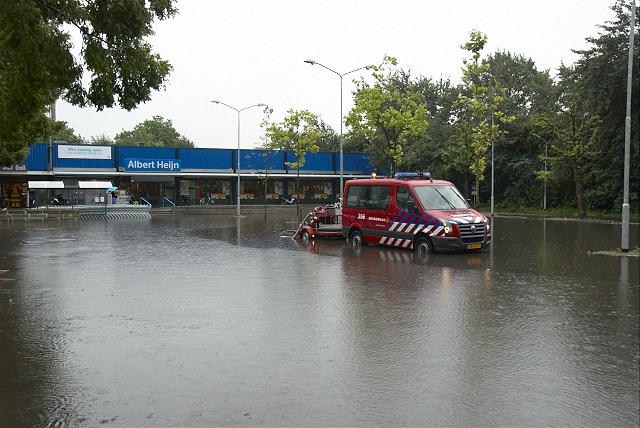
(94, 184)
(46, 185)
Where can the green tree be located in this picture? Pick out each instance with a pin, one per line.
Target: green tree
(528, 92)
(102, 140)
(268, 111)
(329, 140)
(389, 116)
(574, 134)
(68, 134)
(440, 97)
(62, 132)
(296, 133)
(158, 132)
(37, 66)
(602, 74)
(474, 130)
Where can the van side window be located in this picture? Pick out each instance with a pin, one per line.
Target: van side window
(355, 197)
(402, 196)
(379, 199)
(368, 197)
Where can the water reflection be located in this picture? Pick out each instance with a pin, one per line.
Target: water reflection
(194, 321)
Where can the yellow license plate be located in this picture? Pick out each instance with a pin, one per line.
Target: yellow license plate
(474, 246)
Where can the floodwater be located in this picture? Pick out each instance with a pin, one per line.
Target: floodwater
(201, 321)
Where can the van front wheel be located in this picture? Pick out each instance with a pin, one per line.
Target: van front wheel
(356, 239)
(423, 246)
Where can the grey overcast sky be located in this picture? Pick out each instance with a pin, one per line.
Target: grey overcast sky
(244, 52)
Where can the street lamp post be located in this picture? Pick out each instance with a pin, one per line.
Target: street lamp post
(492, 164)
(238, 155)
(544, 197)
(624, 247)
(312, 62)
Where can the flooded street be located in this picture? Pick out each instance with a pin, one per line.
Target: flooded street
(199, 321)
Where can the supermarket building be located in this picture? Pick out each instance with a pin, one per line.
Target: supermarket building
(165, 176)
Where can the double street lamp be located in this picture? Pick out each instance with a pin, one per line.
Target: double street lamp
(238, 110)
(312, 62)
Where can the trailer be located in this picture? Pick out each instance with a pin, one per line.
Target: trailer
(323, 222)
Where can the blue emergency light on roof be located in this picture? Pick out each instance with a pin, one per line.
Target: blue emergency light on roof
(413, 175)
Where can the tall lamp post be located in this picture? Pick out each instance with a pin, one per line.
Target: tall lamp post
(624, 247)
(238, 110)
(544, 197)
(312, 62)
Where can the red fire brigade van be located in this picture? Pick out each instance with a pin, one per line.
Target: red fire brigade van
(412, 211)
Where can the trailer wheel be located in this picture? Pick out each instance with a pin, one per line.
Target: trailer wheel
(423, 247)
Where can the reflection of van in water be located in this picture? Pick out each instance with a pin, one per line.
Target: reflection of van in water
(412, 211)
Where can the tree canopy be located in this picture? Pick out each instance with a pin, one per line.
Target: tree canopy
(479, 119)
(297, 133)
(158, 132)
(388, 115)
(64, 133)
(506, 103)
(116, 66)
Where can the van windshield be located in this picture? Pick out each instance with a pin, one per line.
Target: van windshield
(441, 198)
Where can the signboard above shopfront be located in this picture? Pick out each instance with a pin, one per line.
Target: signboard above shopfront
(20, 167)
(84, 152)
(152, 165)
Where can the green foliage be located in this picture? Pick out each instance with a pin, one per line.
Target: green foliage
(527, 93)
(102, 140)
(61, 132)
(264, 177)
(37, 65)
(157, 132)
(574, 131)
(389, 115)
(296, 133)
(328, 140)
(601, 73)
(475, 132)
(64, 133)
(354, 143)
(526, 90)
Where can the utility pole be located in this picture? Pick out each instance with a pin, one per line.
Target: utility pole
(624, 247)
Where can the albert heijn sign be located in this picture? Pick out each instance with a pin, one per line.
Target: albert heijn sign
(152, 165)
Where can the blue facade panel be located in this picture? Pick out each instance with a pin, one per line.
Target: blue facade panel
(357, 163)
(145, 153)
(38, 158)
(321, 161)
(206, 158)
(260, 160)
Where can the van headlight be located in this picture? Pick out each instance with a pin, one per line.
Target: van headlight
(450, 229)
